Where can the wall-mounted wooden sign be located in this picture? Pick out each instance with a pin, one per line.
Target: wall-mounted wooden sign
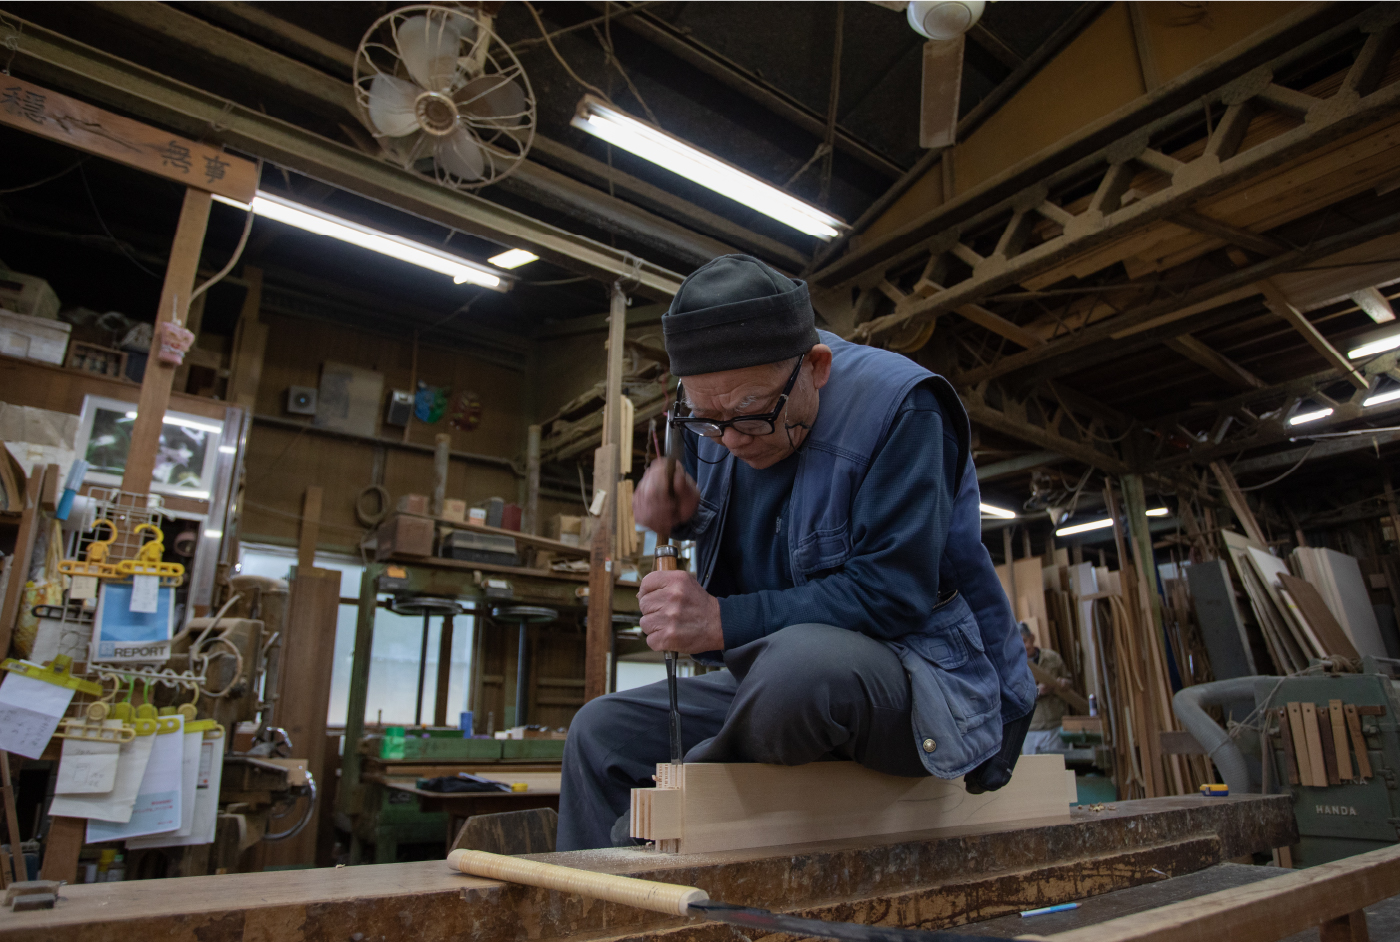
(63, 119)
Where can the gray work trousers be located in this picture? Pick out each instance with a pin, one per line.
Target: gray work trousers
(805, 693)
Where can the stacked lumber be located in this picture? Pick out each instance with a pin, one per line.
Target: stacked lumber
(1338, 579)
(1291, 611)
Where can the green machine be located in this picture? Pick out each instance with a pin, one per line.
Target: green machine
(1356, 814)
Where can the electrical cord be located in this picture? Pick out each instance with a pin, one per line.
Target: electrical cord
(29, 186)
(121, 246)
(550, 43)
(238, 250)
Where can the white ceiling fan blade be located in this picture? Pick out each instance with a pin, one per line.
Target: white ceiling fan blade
(391, 105)
(428, 47)
(942, 88)
(494, 100)
(460, 155)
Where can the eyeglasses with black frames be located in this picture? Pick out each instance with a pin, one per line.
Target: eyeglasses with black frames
(757, 424)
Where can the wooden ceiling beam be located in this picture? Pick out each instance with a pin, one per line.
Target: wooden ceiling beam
(1217, 363)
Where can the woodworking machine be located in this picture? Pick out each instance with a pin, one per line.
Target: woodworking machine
(1358, 814)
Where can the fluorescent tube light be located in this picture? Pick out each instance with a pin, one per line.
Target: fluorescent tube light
(1302, 418)
(1084, 527)
(228, 450)
(1105, 522)
(184, 423)
(1389, 395)
(285, 211)
(1000, 512)
(622, 130)
(214, 534)
(512, 258)
(1374, 347)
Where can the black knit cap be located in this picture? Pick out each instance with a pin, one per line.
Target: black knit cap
(734, 311)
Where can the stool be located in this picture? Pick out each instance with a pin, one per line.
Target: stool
(526, 615)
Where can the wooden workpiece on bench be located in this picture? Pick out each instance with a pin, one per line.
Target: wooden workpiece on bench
(724, 806)
(931, 881)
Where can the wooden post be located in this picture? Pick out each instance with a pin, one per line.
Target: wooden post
(249, 345)
(349, 794)
(600, 592)
(174, 305)
(29, 523)
(531, 523)
(310, 528)
(12, 820)
(605, 473)
(304, 688)
(444, 672)
(61, 849)
(442, 455)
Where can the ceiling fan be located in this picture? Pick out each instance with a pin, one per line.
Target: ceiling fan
(444, 96)
(944, 23)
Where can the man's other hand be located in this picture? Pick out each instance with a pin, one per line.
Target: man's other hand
(652, 505)
(678, 615)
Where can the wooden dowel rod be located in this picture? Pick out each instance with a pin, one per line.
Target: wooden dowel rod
(669, 898)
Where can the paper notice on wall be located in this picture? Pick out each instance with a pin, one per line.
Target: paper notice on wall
(206, 802)
(145, 592)
(88, 768)
(123, 633)
(29, 713)
(82, 587)
(157, 804)
(116, 805)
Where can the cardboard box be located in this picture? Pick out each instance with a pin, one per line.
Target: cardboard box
(411, 536)
(454, 510)
(38, 338)
(29, 295)
(414, 504)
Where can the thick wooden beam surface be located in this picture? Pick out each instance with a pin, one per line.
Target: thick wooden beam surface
(1295, 901)
(915, 880)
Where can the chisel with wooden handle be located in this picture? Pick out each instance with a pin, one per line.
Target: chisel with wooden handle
(666, 561)
(676, 900)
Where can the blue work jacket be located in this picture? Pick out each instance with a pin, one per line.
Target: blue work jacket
(966, 663)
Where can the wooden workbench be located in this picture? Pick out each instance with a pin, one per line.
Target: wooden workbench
(928, 880)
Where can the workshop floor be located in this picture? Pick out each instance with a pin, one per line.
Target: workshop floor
(1383, 919)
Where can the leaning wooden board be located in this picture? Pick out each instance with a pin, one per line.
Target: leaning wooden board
(734, 806)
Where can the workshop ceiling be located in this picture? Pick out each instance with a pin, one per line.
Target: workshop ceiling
(299, 66)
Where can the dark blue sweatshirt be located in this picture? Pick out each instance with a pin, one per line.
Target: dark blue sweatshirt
(899, 522)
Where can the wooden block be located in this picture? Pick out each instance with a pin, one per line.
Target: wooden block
(732, 806)
(401, 533)
(1358, 742)
(1082, 724)
(1329, 748)
(48, 497)
(64, 842)
(1314, 737)
(1299, 735)
(1286, 737)
(1339, 738)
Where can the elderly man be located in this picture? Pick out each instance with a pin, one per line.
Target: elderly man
(839, 571)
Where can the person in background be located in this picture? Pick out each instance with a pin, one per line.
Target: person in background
(1044, 734)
